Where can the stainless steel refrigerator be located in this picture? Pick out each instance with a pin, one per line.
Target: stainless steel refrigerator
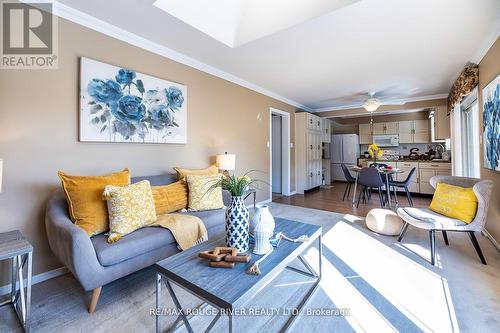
(344, 149)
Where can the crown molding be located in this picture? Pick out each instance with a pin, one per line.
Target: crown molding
(403, 101)
(91, 22)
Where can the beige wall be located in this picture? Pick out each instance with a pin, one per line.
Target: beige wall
(384, 118)
(39, 130)
(489, 68)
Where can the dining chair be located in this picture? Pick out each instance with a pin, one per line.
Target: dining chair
(349, 179)
(404, 184)
(424, 218)
(370, 178)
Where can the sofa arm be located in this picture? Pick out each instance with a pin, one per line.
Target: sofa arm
(70, 244)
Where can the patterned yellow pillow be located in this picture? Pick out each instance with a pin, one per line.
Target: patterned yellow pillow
(182, 172)
(130, 208)
(200, 198)
(455, 202)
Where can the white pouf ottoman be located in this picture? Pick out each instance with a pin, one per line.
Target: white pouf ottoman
(384, 221)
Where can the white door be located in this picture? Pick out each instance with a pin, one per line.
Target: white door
(336, 149)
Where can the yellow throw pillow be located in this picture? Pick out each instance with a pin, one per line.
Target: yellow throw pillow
(455, 202)
(170, 198)
(84, 196)
(200, 198)
(182, 173)
(130, 208)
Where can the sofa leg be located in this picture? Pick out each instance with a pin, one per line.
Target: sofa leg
(95, 298)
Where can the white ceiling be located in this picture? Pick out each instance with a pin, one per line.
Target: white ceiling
(241, 21)
(409, 49)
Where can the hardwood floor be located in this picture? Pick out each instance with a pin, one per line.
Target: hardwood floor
(331, 200)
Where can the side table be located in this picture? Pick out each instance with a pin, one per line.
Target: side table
(15, 247)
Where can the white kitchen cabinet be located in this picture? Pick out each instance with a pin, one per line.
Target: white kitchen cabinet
(308, 150)
(428, 170)
(421, 132)
(325, 128)
(406, 167)
(385, 128)
(414, 131)
(365, 134)
(441, 123)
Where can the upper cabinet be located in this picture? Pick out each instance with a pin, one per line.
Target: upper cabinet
(365, 134)
(385, 128)
(414, 131)
(325, 128)
(441, 123)
(313, 122)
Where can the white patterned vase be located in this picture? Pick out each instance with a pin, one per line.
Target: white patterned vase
(263, 229)
(237, 217)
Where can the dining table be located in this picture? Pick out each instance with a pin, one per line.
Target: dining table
(382, 171)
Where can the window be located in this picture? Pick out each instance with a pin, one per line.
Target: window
(469, 119)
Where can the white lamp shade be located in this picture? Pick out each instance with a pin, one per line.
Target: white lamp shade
(1, 170)
(226, 161)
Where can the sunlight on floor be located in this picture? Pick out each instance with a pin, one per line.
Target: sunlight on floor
(364, 317)
(417, 292)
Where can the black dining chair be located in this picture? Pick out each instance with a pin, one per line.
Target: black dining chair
(382, 176)
(369, 178)
(349, 179)
(404, 184)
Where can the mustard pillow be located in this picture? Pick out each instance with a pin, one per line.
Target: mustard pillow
(130, 208)
(200, 198)
(182, 172)
(170, 198)
(455, 202)
(84, 196)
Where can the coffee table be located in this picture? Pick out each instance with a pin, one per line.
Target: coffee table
(230, 289)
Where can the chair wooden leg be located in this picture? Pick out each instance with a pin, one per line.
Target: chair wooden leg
(432, 235)
(95, 298)
(403, 231)
(445, 236)
(476, 246)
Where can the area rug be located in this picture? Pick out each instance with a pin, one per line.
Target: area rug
(371, 283)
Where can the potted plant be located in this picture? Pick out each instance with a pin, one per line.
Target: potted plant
(237, 215)
(374, 152)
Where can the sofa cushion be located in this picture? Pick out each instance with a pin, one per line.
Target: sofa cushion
(150, 238)
(210, 218)
(136, 243)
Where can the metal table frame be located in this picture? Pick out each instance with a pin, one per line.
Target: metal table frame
(183, 319)
(20, 252)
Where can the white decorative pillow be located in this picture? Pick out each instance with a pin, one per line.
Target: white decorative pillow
(129, 207)
(200, 196)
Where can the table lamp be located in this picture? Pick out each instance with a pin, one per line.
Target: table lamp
(1, 167)
(226, 162)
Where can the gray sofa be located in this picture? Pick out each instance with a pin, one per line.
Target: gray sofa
(95, 263)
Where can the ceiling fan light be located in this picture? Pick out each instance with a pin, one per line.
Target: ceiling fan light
(371, 104)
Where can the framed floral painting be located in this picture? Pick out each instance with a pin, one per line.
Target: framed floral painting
(121, 105)
(491, 124)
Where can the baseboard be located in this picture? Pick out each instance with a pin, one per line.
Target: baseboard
(492, 239)
(37, 278)
(292, 193)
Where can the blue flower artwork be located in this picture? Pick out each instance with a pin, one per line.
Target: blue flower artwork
(121, 105)
(491, 124)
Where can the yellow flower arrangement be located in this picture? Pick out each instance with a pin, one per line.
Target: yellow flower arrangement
(375, 151)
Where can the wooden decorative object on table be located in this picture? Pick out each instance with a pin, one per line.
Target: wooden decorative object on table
(224, 257)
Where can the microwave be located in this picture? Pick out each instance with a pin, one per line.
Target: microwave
(388, 140)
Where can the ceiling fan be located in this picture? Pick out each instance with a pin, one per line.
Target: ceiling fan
(372, 100)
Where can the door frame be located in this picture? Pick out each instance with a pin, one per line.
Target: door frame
(285, 152)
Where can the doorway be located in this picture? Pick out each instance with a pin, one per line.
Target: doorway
(279, 151)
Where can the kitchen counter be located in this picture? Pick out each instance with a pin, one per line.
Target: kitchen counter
(406, 160)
